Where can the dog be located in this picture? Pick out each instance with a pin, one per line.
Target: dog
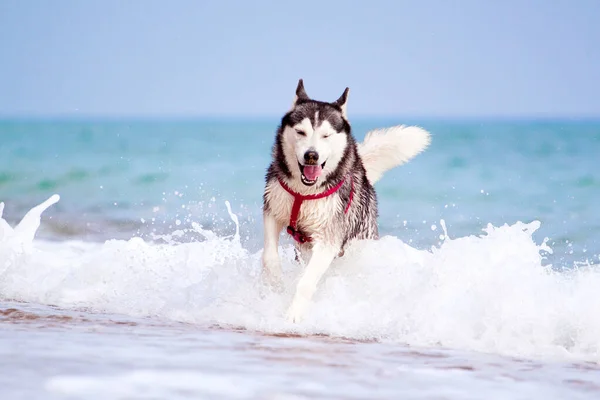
(319, 187)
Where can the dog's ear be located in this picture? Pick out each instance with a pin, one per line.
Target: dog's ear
(342, 101)
(300, 93)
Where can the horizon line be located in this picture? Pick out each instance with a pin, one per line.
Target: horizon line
(251, 117)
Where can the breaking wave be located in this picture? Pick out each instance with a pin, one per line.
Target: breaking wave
(488, 293)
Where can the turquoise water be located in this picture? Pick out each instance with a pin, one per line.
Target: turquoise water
(147, 177)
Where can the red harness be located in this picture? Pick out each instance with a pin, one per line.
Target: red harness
(299, 198)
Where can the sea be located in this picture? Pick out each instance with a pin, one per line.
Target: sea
(130, 266)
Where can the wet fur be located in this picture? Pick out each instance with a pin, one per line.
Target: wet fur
(324, 220)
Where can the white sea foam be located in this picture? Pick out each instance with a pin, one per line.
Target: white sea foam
(486, 293)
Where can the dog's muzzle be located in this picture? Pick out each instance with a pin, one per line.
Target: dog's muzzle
(311, 170)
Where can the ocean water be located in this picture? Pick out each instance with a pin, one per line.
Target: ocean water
(130, 260)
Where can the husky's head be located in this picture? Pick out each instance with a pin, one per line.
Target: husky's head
(314, 137)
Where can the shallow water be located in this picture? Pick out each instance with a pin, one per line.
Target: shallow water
(140, 288)
(99, 356)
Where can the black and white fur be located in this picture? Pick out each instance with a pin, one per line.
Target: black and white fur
(322, 130)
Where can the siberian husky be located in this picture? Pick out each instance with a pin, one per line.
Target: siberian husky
(319, 187)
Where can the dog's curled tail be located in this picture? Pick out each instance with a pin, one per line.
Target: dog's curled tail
(384, 149)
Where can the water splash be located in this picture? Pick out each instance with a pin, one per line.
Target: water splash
(488, 293)
(16, 242)
(30, 223)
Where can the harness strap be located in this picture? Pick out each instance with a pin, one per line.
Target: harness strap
(299, 198)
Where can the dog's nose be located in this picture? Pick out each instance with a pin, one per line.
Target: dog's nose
(311, 157)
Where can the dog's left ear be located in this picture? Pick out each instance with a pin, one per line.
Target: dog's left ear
(342, 101)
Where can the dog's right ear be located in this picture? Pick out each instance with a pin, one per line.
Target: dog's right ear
(300, 93)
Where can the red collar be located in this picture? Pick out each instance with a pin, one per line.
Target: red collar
(299, 198)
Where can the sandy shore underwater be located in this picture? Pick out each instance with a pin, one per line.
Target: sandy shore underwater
(53, 353)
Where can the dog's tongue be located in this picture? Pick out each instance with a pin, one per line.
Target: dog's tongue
(312, 172)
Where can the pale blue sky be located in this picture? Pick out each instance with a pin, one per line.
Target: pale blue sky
(402, 58)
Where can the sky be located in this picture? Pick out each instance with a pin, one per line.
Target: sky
(463, 58)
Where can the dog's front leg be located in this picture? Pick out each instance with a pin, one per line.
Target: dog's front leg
(322, 256)
(270, 258)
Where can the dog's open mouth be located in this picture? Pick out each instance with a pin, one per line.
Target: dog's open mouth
(310, 173)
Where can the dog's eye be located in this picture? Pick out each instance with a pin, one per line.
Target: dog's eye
(301, 133)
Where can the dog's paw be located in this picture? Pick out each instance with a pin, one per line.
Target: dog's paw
(271, 275)
(273, 281)
(297, 310)
(275, 284)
